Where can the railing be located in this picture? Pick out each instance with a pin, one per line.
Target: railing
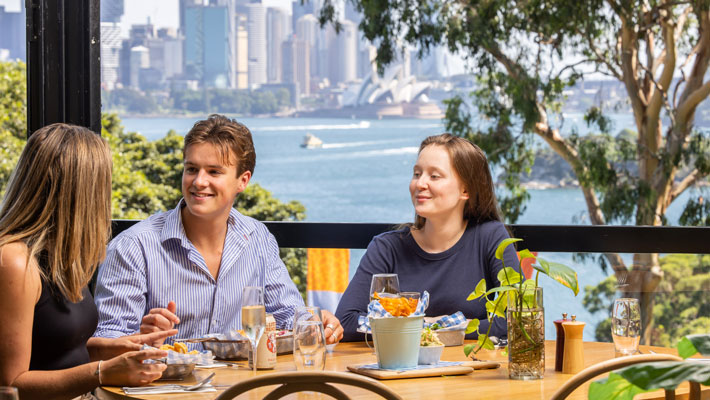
(544, 238)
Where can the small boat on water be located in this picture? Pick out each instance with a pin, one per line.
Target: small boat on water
(310, 141)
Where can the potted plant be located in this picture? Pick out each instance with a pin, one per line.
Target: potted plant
(519, 301)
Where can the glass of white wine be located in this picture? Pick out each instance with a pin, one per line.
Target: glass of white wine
(626, 326)
(387, 284)
(253, 316)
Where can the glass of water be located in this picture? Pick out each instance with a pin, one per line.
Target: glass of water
(8, 393)
(626, 326)
(309, 345)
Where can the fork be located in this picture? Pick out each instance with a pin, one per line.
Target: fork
(187, 388)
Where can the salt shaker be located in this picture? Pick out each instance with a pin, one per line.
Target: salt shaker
(560, 342)
(573, 358)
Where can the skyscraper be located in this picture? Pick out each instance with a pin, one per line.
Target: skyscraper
(278, 29)
(12, 33)
(296, 59)
(111, 10)
(307, 30)
(242, 53)
(110, 54)
(256, 29)
(210, 44)
(347, 52)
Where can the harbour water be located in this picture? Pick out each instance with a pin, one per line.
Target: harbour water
(362, 172)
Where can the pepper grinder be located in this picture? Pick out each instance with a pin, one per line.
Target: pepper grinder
(560, 342)
(573, 358)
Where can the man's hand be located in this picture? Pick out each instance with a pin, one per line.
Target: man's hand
(333, 329)
(159, 320)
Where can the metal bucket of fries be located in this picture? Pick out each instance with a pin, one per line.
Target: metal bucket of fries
(397, 341)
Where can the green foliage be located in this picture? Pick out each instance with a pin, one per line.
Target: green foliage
(13, 101)
(681, 307)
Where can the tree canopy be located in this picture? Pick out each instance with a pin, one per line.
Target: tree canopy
(527, 53)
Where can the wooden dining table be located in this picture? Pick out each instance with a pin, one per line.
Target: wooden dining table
(479, 384)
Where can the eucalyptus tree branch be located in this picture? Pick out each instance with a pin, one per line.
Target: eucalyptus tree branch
(691, 179)
(601, 58)
(692, 100)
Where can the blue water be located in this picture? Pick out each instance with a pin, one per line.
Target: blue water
(362, 172)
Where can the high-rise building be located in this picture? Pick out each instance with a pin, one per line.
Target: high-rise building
(300, 9)
(210, 48)
(12, 33)
(366, 61)
(110, 54)
(278, 29)
(307, 30)
(111, 11)
(256, 29)
(140, 59)
(296, 59)
(347, 52)
(242, 53)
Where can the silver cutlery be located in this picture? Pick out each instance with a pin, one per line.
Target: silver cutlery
(187, 388)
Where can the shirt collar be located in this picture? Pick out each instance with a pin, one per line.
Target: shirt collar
(173, 229)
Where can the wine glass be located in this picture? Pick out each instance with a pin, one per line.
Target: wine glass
(253, 316)
(626, 326)
(8, 393)
(384, 283)
(309, 344)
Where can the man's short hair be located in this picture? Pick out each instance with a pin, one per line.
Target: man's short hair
(229, 137)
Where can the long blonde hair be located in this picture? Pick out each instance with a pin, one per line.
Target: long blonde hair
(58, 202)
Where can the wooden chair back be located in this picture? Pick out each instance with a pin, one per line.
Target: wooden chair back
(299, 381)
(607, 366)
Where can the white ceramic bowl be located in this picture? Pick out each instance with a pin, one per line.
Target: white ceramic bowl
(430, 354)
(451, 338)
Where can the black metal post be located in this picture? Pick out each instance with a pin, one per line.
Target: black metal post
(63, 63)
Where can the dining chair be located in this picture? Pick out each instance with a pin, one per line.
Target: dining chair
(312, 381)
(607, 366)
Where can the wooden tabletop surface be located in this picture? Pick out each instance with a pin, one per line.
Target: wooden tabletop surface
(480, 384)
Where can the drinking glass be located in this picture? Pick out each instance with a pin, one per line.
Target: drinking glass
(384, 283)
(253, 316)
(309, 345)
(8, 393)
(626, 326)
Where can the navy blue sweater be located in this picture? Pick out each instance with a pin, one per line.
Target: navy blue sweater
(449, 276)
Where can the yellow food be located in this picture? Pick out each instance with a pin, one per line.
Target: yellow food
(178, 347)
(397, 306)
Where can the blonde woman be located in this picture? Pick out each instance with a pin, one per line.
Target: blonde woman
(54, 226)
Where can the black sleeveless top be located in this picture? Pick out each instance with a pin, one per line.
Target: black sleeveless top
(61, 329)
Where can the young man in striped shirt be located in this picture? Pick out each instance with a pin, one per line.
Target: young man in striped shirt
(186, 268)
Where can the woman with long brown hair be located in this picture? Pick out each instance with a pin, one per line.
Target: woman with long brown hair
(54, 225)
(451, 244)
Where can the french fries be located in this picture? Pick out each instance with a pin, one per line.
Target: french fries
(397, 306)
(178, 347)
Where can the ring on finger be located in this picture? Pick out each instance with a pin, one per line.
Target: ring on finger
(331, 327)
(334, 337)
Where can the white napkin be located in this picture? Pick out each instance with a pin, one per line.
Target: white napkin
(166, 389)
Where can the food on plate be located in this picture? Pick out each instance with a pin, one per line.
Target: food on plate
(178, 347)
(430, 338)
(397, 306)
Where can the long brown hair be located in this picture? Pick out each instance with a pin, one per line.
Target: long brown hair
(58, 202)
(471, 166)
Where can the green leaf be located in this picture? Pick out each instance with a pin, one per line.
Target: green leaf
(528, 291)
(500, 289)
(468, 349)
(561, 273)
(505, 243)
(509, 276)
(472, 326)
(497, 307)
(479, 291)
(525, 253)
(692, 344)
(666, 374)
(487, 343)
(613, 388)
